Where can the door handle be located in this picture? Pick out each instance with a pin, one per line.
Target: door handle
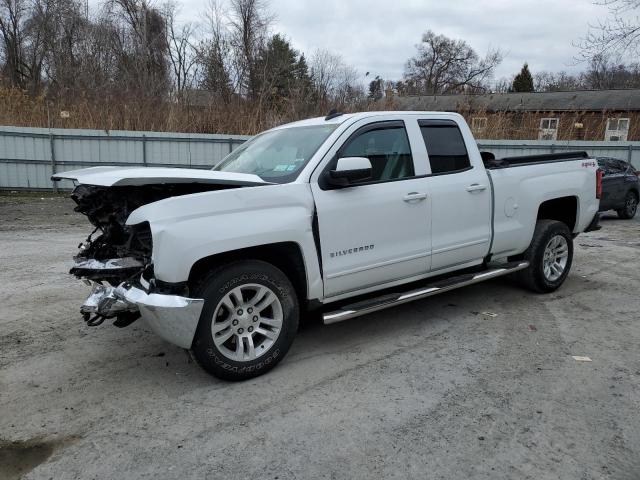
(414, 196)
(476, 187)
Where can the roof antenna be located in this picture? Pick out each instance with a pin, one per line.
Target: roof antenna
(333, 113)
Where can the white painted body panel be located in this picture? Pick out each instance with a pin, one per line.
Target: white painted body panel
(188, 228)
(370, 235)
(454, 210)
(449, 229)
(519, 191)
(121, 176)
(461, 209)
(375, 216)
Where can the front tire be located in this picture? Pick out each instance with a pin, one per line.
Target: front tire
(550, 256)
(248, 322)
(630, 207)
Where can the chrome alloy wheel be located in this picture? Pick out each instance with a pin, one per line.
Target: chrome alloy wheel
(246, 322)
(556, 255)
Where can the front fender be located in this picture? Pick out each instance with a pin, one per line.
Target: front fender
(188, 228)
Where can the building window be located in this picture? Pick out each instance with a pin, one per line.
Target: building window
(479, 124)
(548, 129)
(617, 130)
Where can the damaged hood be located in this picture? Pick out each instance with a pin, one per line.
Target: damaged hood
(128, 176)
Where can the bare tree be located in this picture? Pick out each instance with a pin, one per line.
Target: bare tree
(24, 27)
(12, 27)
(182, 52)
(214, 54)
(65, 36)
(332, 78)
(602, 74)
(444, 65)
(617, 35)
(116, 65)
(324, 72)
(504, 84)
(142, 46)
(249, 23)
(556, 82)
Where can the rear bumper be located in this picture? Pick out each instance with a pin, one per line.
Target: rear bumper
(594, 225)
(172, 317)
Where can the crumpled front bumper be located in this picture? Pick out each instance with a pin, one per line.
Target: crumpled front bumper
(172, 317)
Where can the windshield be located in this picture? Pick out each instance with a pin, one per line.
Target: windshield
(279, 155)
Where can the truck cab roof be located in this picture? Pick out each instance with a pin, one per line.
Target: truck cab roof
(337, 120)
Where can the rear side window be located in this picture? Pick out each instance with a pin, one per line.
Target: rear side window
(445, 146)
(387, 147)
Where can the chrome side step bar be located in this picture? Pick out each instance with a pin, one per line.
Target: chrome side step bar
(391, 300)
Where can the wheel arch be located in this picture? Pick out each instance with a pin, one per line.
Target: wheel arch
(562, 209)
(286, 256)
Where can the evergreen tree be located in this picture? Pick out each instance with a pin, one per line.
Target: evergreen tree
(376, 89)
(303, 79)
(523, 82)
(277, 66)
(215, 76)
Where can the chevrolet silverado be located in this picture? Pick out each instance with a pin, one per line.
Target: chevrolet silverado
(345, 214)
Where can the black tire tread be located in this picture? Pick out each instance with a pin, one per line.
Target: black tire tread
(230, 270)
(622, 213)
(533, 277)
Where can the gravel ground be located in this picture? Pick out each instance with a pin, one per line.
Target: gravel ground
(435, 389)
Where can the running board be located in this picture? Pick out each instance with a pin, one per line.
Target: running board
(391, 300)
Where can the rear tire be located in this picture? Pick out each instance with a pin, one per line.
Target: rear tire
(248, 322)
(550, 256)
(630, 207)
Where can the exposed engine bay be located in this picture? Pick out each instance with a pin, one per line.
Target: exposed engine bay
(116, 254)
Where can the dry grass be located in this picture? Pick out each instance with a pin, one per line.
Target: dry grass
(237, 116)
(241, 116)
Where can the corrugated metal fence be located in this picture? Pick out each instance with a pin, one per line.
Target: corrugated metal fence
(28, 156)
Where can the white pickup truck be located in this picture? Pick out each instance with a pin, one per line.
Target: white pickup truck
(346, 214)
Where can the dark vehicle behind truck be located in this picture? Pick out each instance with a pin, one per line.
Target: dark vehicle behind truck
(620, 187)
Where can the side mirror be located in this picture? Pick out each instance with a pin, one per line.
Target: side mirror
(487, 157)
(350, 170)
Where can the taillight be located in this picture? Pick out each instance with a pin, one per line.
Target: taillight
(598, 183)
(638, 173)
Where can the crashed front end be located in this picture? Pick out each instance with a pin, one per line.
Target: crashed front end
(116, 261)
(172, 317)
(117, 258)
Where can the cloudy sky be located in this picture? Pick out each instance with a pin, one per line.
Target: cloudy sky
(378, 36)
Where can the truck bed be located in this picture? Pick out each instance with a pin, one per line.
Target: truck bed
(519, 161)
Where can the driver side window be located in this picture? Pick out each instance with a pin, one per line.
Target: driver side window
(387, 148)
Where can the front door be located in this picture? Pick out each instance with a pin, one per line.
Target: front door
(378, 231)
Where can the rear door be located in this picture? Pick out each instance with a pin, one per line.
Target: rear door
(613, 185)
(460, 196)
(377, 231)
(630, 179)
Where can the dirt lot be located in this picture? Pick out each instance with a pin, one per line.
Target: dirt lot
(436, 389)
